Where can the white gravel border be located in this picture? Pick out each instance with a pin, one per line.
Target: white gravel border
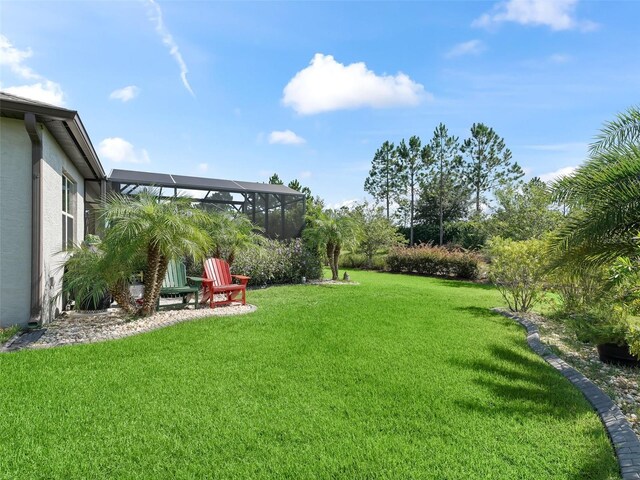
(78, 328)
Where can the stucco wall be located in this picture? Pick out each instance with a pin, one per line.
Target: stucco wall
(56, 163)
(15, 222)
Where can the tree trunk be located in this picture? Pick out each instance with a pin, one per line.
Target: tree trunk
(440, 202)
(336, 258)
(121, 295)
(162, 271)
(478, 198)
(411, 216)
(150, 279)
(330, 255)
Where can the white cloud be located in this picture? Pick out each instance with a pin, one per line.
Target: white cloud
(345, 203)
(551, 176)
(203, 167)
(555, 14)
(285, 137)
(305, 174)
(326, 85)
(125, 93)
(472, 47)
(118, 150)
(155, 15)
(43, 90)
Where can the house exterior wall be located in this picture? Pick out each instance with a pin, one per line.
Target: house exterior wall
(15, 223)
(56, 164)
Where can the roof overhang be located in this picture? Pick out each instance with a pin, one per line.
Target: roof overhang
(64, 125)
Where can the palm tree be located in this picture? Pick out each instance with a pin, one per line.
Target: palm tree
(619, 133)
(229, 233)
(332, 232)
(604, 197)
(158, 229)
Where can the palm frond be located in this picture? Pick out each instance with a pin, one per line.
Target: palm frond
(618, 134)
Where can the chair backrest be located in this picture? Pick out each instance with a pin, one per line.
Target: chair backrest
(217, 270)
(176, 275)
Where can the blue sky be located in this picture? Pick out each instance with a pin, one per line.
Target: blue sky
(309, 90)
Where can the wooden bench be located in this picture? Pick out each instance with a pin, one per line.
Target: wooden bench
(176, 282)
(217, 280)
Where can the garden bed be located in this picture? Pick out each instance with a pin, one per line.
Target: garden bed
(85, 327)
(619, 382)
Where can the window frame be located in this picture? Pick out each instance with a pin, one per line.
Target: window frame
(68, 212)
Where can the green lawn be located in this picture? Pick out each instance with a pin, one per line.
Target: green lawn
(400, 377)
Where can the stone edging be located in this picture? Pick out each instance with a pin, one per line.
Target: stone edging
(624, 440)
(24, 340)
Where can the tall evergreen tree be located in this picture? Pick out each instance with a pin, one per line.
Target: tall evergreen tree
(383, 180)
(490, 164)
(275, 179)
(412, 161)
(444, 167)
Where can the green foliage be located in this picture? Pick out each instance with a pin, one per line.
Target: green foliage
(85, 277)
(331, 231)
(275, 180)
(229, 233)
(270, 262)
(160, 230)
(7, 332)
(489, 163)
(436, 261)
(445, 185)
(361, 262)
(618, 134)
(603, 196)
(412, 162)
(472, 233)
(524, 213)
(579, 288)
(383, 182)
(374, 232)
(518, 270)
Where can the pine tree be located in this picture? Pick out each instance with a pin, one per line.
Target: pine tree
(413, 160)
(445, 171)
(383, 180)
(489, 164)
(275, 180)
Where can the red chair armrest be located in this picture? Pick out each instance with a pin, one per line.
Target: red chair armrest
(243, 279)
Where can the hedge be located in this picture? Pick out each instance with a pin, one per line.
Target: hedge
(436, 261)
(277, 262)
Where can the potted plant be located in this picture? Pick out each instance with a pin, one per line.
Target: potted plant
(611, 333)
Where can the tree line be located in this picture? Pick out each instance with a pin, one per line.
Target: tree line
(441, 179)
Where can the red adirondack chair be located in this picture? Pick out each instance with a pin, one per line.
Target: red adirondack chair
(217, 279)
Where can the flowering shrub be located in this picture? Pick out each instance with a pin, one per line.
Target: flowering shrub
(275, 262)
(438, 261)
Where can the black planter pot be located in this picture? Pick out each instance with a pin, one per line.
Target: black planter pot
(612, 353)
(90, 305)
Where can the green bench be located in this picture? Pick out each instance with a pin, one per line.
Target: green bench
(176, 282)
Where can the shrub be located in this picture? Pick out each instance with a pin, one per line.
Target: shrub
(437, 261)
(518, 271)
(359, 260)
(272, 262)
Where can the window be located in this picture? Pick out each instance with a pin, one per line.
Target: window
(68, 189)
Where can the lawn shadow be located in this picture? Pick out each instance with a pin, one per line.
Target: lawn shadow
(521, 385)
(462, 283)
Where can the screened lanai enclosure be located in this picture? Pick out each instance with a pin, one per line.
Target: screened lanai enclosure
(277, 209)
